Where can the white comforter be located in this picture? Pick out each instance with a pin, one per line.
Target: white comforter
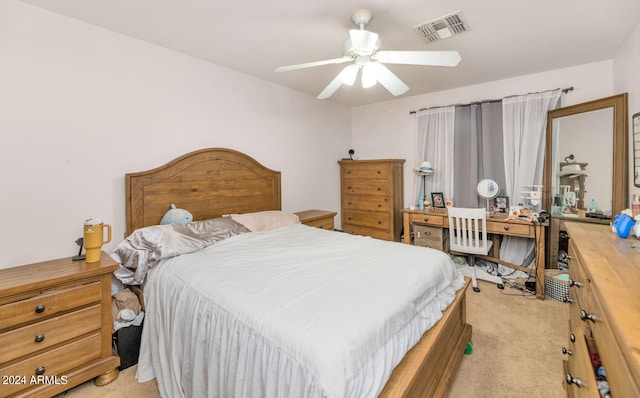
(292, 312)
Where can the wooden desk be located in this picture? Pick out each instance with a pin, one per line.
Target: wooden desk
(497, 225)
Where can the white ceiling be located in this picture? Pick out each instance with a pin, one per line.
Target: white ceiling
(506, 38)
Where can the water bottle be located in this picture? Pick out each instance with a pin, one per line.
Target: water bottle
(421, 203)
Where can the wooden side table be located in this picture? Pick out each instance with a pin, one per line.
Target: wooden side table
(317, 218)
(55, 326)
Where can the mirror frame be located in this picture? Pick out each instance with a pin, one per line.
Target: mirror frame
(620, 148)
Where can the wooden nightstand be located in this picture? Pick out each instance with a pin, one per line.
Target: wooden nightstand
(55, 326)
(317, 218)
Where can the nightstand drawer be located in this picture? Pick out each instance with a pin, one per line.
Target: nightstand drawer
(31, 338)
(53, 363)
(48, 304)
(326, 223)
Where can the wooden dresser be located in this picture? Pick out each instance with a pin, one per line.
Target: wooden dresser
(55, 326)
(317, 218)
(371, 197)
(604, 318)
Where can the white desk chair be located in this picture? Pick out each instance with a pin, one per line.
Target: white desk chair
(468, 235)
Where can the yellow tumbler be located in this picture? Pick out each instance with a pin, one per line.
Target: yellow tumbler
(94, 238)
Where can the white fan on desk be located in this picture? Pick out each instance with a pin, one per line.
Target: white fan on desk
(363, 50)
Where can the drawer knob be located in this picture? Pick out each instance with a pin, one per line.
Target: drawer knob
(39, 338)
(506, 227)
(427, 233)
(572, 337)
(379, 188)
(571, 380)
(40, 308)
(584, 316)
(426, 219)
(379, 205)
(566, 299)
(349, 187)
(574, 283)
(379, 222)
(566, 352)
(40, 370)
(349, 203)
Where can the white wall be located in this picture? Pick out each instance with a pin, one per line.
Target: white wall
(626, 78)
(81, 106)
(387, 130)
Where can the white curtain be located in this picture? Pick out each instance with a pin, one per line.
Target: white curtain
(435, 145)
(524, 127)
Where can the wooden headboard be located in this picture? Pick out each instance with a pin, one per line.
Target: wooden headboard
(208, 183)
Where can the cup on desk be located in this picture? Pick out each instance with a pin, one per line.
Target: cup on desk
(94, 230)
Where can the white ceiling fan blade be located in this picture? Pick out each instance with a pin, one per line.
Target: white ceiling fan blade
(435, 58)
(363, 40)
(312, 64)
(331, 88)
(390, 81)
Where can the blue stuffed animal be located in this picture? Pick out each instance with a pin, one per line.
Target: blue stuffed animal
(176, 216)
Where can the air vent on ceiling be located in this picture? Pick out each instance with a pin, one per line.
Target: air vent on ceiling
(443, 27)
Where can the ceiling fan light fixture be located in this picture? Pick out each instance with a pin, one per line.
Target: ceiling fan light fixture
(348, 74)
(369, 75)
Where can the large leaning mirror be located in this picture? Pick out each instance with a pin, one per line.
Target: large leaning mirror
(586, 162)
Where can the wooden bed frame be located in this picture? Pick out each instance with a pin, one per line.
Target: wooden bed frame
(216, 181)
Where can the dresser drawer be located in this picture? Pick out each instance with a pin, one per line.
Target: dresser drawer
(366, 202)
(363, 170)
(580, 372)
(47, 304)
(430, 219)
(366, 218)
(366, 187)
(54, 362)
(607, 346)
(372, 232)
(44, 334)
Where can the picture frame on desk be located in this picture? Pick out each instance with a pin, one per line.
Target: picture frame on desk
(437, 200)
(501, 204)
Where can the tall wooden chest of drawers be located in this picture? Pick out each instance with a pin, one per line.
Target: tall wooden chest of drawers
(55, 326)
(604, 312)
(371, 197)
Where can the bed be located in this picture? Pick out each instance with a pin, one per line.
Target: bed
(288, 331)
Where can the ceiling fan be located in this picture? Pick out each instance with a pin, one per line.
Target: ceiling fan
(363, 49)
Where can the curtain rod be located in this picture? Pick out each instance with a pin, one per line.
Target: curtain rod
(564, 91)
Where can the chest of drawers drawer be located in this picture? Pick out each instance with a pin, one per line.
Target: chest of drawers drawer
(366, 218)
(364, 170)
(367, 203)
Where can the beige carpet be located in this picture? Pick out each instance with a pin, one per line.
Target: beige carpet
(517, 344)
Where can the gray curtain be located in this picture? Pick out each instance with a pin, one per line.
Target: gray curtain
(478, 151)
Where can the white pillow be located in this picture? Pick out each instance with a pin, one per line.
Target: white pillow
(265, 220)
